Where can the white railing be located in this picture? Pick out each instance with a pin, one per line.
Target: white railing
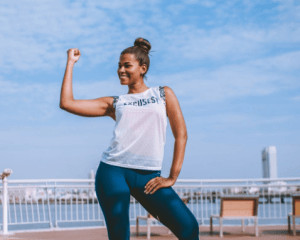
(53, 203)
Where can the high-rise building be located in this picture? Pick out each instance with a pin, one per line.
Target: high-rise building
(269, 162)
(92, 174)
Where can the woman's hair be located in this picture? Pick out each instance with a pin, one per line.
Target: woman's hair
(141, 51)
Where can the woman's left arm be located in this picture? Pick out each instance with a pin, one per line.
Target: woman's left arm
(178, 127)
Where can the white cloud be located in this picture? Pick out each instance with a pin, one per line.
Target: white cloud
(255, 78)
(229, 43)
(284, 63)
(35, 35)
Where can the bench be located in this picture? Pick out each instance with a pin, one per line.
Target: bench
(233, 208)
(149, 219)
(295, 214)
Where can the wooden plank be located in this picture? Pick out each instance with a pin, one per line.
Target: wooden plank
(297, 207)
(238, 208)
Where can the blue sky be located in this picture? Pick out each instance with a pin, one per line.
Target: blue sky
(234, 66)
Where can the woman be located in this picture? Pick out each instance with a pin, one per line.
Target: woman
(131, 165)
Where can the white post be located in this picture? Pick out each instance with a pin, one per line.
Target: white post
(4, 204)
(4, 176)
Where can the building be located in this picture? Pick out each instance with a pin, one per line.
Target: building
(269, 162)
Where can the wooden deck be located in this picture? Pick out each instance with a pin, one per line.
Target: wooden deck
(158, 233)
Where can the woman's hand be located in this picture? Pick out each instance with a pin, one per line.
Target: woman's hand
(73, 54)
(156, 183)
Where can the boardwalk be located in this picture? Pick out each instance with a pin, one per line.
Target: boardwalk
(158, 233)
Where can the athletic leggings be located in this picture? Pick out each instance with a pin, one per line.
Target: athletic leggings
(114, 185)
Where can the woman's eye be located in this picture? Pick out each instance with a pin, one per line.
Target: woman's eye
(125, 65)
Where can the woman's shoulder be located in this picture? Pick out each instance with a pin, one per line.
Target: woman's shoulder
(166, 90)
(168, 94)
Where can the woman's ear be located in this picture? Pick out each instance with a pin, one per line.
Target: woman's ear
(143, 69)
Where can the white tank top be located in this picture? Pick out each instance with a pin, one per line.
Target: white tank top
(140, 130)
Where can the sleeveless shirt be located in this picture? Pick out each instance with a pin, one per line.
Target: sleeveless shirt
(140, 130)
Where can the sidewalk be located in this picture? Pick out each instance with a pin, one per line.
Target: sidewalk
(158, 233)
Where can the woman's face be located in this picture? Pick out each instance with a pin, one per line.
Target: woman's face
(129, 70)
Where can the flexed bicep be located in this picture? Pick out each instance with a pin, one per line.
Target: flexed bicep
(91, 108)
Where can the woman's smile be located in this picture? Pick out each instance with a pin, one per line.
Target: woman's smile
(129, 70)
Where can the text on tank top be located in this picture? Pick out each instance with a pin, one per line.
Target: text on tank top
(140, 130)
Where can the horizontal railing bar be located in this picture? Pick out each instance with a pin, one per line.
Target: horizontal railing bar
(239, 180)
(75, 220)
(230, 186)
(56, 181)
(36, 222)
(51, 180)
(54, 186)
(175, 186)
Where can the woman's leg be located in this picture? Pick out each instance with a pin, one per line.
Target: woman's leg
(167, 206)
(113, 195)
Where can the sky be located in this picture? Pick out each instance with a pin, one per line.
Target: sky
(234, 66)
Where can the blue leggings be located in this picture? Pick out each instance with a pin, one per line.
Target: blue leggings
(114, 185)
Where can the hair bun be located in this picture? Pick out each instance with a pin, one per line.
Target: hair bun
(143, 43)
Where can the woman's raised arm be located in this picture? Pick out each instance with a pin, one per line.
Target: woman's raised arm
(89, 108)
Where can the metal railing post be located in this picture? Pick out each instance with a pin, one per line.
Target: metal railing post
(49, 206)
(55, 207)
(4, 176)
(4, 206)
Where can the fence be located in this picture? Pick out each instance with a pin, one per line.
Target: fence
(52, 203)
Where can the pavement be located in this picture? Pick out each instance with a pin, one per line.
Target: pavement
(157, 233)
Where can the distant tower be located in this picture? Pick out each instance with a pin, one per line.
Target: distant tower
(92, 174)
(269, 162)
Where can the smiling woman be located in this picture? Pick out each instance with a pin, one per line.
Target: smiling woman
(132, 163)
(136, 54)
